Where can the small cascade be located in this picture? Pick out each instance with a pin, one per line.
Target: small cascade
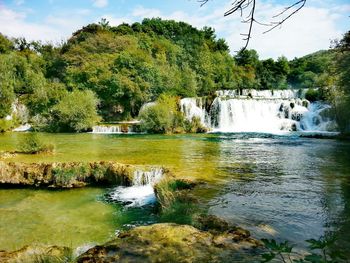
(261, 111)
(141, 192)
(118, 128)
(107, 129)
(23, 128)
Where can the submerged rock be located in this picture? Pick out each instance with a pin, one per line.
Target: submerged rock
(172, 243)
(33, 254)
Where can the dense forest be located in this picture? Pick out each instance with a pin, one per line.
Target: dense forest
(106, 73)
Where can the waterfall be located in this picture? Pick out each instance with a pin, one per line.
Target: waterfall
(261, 111)
(107, 129)
(141, 192)
(193, 107)
(118, 128)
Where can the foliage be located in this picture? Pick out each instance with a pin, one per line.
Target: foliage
(131, 64)
(64, 176)
(76, 111)
(159, 117)
(320, 251)
(195, 126)
(7, 125)
(341, 93)
(312, 71)
(7, 82)
(32, 144)
(313, 95)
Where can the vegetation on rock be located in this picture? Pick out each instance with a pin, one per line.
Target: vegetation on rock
(173, 243)
(65, 175)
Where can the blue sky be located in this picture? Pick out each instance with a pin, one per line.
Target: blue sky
(308, 31)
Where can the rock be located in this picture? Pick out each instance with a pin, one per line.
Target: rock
(172, 243)
(65, 175)
(212, 223)
(305, 103)
(32, 254)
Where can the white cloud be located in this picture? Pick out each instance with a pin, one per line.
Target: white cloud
(115, 21)
(100, 3)
(13, 24)
(140, 11)
(53, 28)
(19, 2)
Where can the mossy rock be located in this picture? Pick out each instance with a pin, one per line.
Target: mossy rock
(171, 243)
(65, 175)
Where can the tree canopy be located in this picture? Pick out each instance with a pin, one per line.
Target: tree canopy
(128, 65)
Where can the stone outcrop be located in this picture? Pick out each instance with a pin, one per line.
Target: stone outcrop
(65, 175)
(174, 243)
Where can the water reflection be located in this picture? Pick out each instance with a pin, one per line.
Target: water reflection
(279, 186)
(286, 188)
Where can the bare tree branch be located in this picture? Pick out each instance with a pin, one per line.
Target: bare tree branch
(242, 6)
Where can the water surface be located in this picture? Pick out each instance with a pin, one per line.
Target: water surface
(279, 186)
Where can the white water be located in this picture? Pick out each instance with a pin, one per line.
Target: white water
(107, 129)
(260, 111)
(141, 192)
(23, 128)
(193, 107)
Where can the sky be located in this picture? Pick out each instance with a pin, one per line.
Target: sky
(311, 29)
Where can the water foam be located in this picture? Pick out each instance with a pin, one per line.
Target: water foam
(260, 111)
(141, 192)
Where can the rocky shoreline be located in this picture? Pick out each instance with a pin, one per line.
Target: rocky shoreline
(65, 175)
(206, 239)
(213, 240)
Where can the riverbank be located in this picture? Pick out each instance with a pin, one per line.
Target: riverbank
(165, 242)
(208, 237)
(65, 175)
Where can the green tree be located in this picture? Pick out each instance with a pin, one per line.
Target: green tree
(5, 44)
(7, 82)
(75, 112)
(341, 93)
(159, 117)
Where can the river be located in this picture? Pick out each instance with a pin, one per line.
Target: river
(277, 186)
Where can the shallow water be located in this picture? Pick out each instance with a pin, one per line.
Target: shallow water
(279, 186)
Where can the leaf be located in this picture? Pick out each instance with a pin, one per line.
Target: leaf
(314, 258)
(271, 244)
(299, 260)
(316, 244)
(267, 257)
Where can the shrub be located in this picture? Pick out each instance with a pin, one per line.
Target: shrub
(159, 118)
(312, 95)
(31, 144)
(195, 126)
(7, 125)
(64, 176)
(76, 112)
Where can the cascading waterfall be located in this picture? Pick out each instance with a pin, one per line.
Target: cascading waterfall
(193, 107)
(141, 192)
(260, 111)
(117, 128)
(107, 129)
